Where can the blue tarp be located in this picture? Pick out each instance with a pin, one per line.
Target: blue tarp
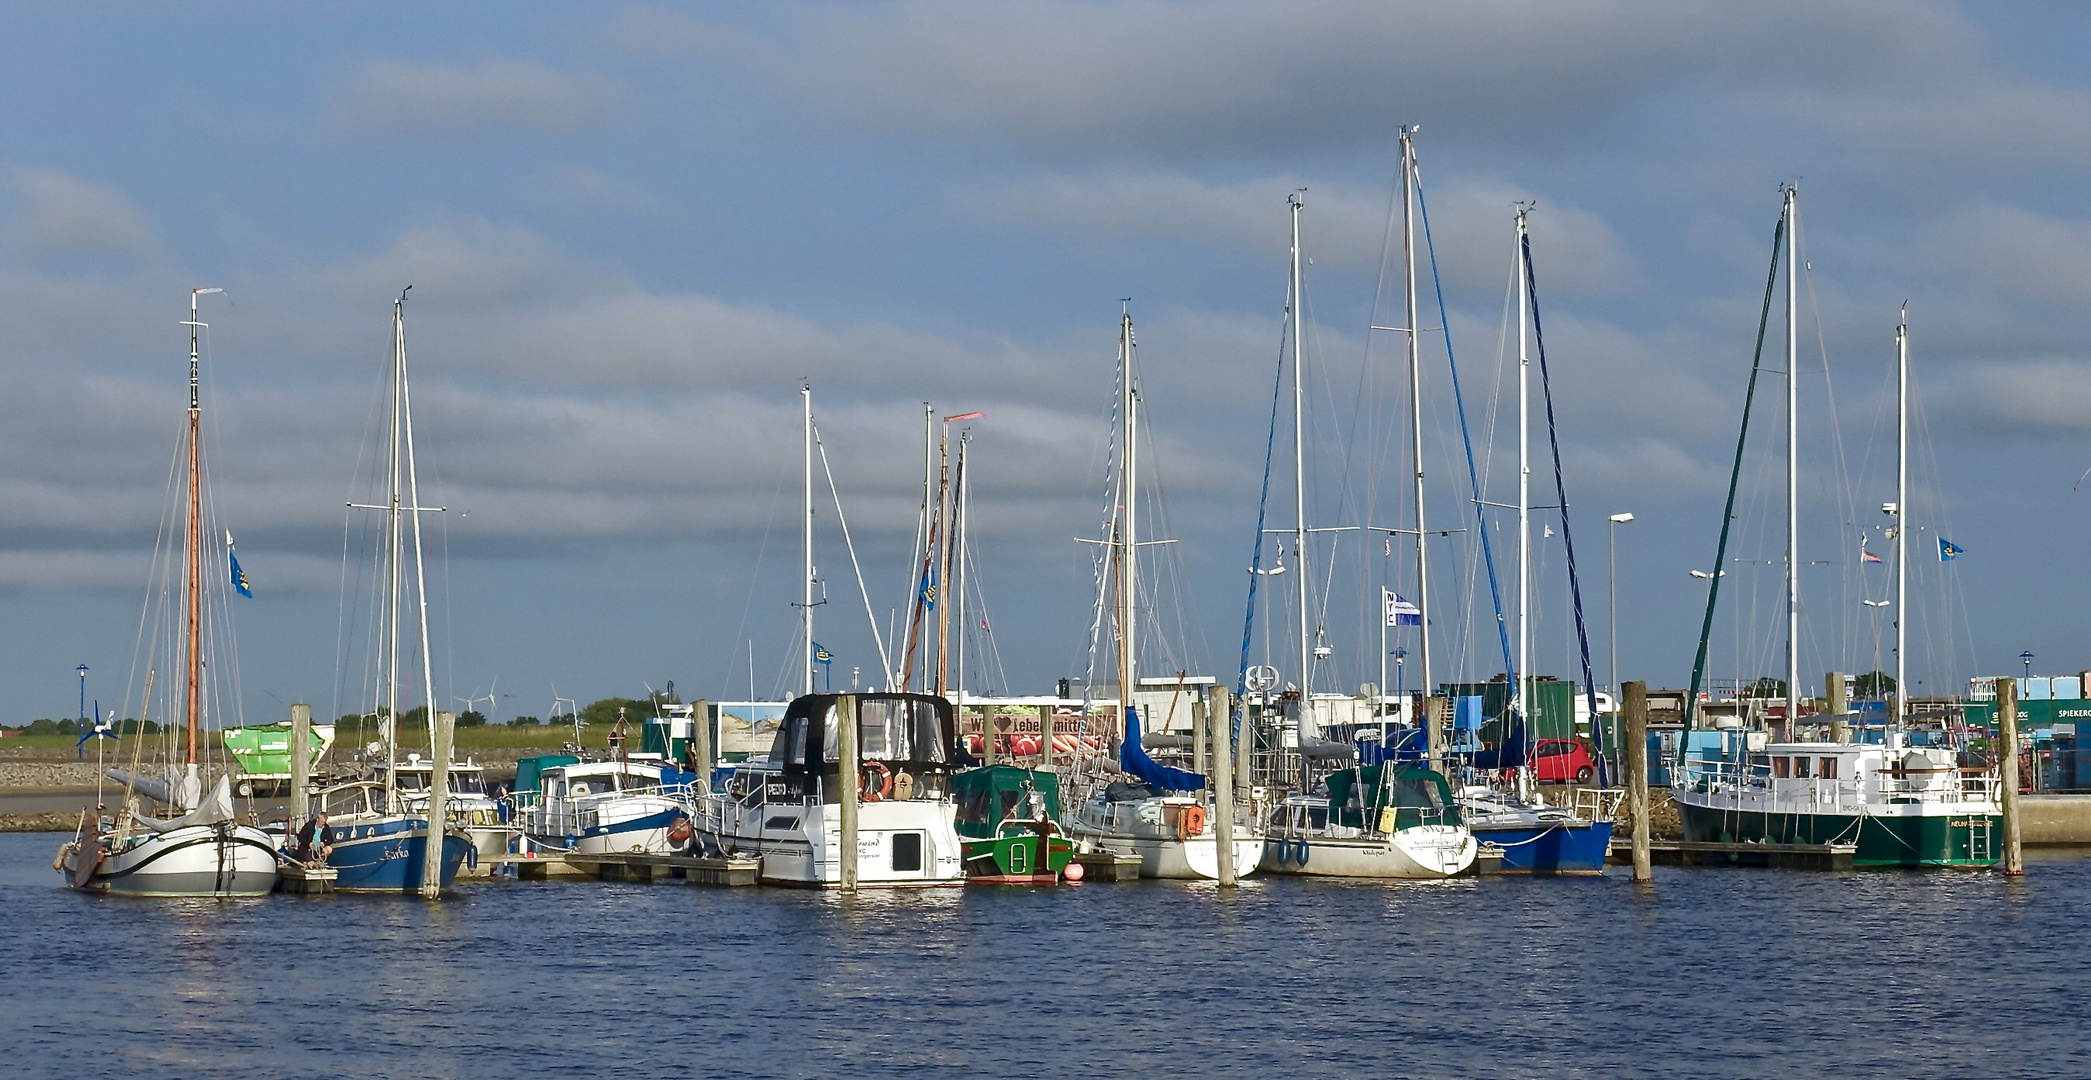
(1134, 760)
(1509, 755)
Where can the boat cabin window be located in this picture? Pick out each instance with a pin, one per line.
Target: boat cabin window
(887, 729)
(1317, 817)
(1829, 768)
(1782, 767)
(413, 782)
(907, 853)
(1802, 767)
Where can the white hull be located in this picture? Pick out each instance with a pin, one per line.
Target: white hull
(1423, 852)
(1197, 858)
(195, 860)
(899, 844)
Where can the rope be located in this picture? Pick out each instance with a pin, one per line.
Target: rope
(1263, 502)
(1575, 586)
(1488, 557)
(1713, 588)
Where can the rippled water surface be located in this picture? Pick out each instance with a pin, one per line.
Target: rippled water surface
(1709, 973)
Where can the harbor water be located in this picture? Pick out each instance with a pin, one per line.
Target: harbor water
(1708, 973)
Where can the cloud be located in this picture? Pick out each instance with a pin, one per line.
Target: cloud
(593, 187)
(392, 97)
(57, 213)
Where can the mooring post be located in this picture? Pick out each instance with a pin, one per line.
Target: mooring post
(1636, 694)
(2007, 749)
(438, 804)
(850, 772)
(699, 748)
(987, 733)
(1833, 690)
(1220, 715)
(300, 766)
(1045, 736)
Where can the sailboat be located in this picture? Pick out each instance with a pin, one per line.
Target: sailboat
(199, 849)
(1158, 813)
(381, 843)
(1900, 804)
(786, 808)
(1377, 821)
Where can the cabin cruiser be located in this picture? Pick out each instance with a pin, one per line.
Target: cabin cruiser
(785, 808)
(636, 804)
(470, 809)
(1390, 820)
(1900, 803)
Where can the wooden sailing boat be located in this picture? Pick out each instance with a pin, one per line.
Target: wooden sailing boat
(199, 849)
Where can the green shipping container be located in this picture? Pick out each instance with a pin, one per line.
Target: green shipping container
(1553, 707)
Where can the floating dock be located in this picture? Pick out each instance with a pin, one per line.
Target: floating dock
(307, 880)
(732, 871)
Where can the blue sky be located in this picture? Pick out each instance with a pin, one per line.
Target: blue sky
(631, 230)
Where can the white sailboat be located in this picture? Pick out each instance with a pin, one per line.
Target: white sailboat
(381, 843)
(199, 848)
(1159, 817)
(1379, 821)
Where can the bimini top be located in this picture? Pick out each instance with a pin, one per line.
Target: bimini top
(1418, 795)
(915, 732)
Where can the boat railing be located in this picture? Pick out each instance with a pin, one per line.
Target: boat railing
(1598, 804)
(1740, 783)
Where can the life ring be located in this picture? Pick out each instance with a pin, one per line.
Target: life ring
(680, 832)
(876, 784)
(1190, 821)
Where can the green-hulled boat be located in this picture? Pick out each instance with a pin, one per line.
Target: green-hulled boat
(1008, 826)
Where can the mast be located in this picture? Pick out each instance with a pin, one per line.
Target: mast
(1128, 520)
(1896, 710)
(806, 545)
(414, 510)
(1408, 250)
(1793, 471)
(1299, 464)
(394, 537)
(1524, 483)
(943, 559)
(194, 571)
(958, 590)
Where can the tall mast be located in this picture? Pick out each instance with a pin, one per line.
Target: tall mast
(943, 558)
(1793, 469)
(394, 540)
(957, 596)
(1128, 520)
(194, 705)
(806, 545)
(1896, 710)
(1299, 463)
(1408, 250)
(414, 510)
(1522, 676)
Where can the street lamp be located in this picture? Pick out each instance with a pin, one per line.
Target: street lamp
(83, 693)
(2026, 657)
(1613, 586)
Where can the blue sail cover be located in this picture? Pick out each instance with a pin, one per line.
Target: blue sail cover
(1510, 754)
(1133, 759)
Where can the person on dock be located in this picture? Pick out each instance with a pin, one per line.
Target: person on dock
(315, 841)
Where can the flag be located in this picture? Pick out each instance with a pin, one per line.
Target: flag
(1390, 545)
(1948, 549)
(964, 416)
(1867, 556)
(821, 655)
(929, 589)
(1400, 612)
(239, 576)
(983, 625)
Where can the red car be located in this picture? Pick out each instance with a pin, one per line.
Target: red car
(1559, 761)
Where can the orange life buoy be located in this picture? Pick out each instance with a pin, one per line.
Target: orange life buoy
(1191, 821)
(680, 832)
(876, 784)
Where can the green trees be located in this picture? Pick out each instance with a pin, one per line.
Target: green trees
(1873, 685)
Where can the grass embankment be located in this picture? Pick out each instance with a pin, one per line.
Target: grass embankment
(491, 737)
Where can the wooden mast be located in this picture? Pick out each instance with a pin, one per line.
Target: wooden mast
(193, 713)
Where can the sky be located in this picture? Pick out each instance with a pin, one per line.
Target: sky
(632, 232)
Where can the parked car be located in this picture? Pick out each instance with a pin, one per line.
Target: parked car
(1559, 761)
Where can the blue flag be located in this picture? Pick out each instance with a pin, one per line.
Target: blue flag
(929, 590)
(821, 655)
(239, 576)
(1948, 549)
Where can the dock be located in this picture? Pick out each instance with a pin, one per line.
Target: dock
(1104, 866)
(731, 871)
(299, 880)
(1720, 853)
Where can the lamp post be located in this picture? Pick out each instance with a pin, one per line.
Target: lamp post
(1613, 586)
(2024, 657)
(83, 693)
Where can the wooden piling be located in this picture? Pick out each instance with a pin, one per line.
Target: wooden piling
(2007, 771)
(1833, 692)
(1636, 695)
(438, 804)
(987, 735)
(300, 767)
(699, 749)
(850, 771)
(1220, 716)
(1045, 736)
